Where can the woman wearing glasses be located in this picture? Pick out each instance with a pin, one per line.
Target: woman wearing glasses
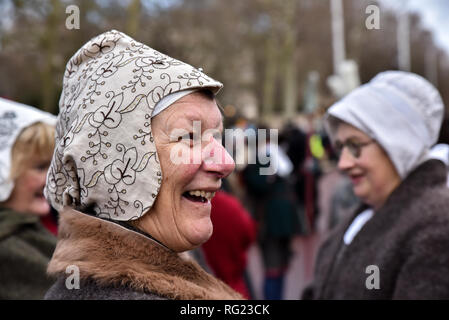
(396, 245)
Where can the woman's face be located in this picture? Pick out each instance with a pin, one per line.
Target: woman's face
(27, 195)
(373, 175)
(180, 216)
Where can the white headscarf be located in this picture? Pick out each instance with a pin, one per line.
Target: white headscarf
(14, 118)
(402, 111)
(105, 157)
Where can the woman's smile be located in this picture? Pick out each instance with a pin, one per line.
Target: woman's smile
(356, 178)
(200, 196)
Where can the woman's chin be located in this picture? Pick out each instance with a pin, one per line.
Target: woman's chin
(360, 191)
(201, 232)
(366, 199)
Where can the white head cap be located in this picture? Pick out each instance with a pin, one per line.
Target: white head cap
(402, 111)
(14, 118)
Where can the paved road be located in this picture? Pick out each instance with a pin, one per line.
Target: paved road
(300, 271)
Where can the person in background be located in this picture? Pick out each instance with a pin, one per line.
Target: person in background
(226, 251)
(395, 245)
(26, 246)
(275, 209)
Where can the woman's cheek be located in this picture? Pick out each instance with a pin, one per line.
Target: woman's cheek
(190, 169)
(32, 180)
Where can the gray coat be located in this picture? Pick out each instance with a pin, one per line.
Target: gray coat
(89, 290)
(407, 239)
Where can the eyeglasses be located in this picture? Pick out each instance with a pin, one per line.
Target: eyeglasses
(355, 148)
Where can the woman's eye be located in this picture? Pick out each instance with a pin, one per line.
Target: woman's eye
(187, 138)
(353, 144)
(338, 147)
(42, 166)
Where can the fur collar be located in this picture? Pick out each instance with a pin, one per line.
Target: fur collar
(113, 255)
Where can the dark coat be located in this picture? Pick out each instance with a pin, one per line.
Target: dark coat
(116, 263)
(25, 250)
(407, 239)
(90, 290)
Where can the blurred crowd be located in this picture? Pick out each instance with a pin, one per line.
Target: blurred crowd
(306, 198)
(303, 202)
(287, 206)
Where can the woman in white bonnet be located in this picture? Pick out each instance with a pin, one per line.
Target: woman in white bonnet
(26, 246)
(132, 189)
(396, 246)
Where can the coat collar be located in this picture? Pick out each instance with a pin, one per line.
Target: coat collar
(430, 174)
(113, 255)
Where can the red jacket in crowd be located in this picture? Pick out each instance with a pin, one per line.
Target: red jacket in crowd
(227, 249)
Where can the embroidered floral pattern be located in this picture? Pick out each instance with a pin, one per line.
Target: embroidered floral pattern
(105, 155)
(7, 128)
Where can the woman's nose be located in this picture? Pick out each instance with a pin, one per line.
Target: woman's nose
(346, 160)
(217, 160)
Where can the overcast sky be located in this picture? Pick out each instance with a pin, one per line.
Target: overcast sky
(435, 14)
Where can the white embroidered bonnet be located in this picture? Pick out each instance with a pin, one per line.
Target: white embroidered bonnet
(105, 158)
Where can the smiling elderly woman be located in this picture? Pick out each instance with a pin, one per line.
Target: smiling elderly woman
(129, 208)
(396, 245)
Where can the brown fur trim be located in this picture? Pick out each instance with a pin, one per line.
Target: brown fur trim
(113, 255)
